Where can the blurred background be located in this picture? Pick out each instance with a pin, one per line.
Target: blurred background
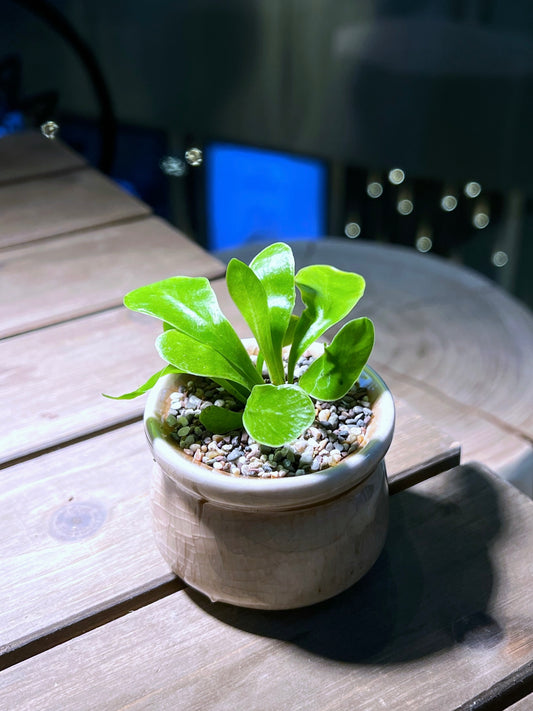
(405, 122)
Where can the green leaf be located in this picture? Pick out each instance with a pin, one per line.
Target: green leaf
(250, 297)
(152, 380)
(291, 328)
(331, 375)
(220, 420)
(189, 305)
(329, 294)
(277, 414)
(275, 268)
(191, 356)
(238, 392)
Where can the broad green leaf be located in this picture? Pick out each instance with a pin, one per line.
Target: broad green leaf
(278, 414)
(220, 420)
(191, 356)
(275, 268)
(152, 380)
(189, 305)
(250, 297)
(331, 375)
(329, 294)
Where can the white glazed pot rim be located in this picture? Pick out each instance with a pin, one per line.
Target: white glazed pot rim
(272, 494)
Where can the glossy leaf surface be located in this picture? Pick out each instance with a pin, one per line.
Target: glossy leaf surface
(329, 295)
(331, 375)
(277, 414)
(189, 305)
(190, 356)
(220, 420)
(152, 380)
(250, 297)
(274, 266)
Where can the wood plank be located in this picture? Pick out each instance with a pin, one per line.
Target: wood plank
(109, 475)
(62, 203)
(111, 352)
(80, 534)
(443, 616)
(434, 320)
(64, 369)
(509, 455)
(514, 692)
(28, 154)
(81, 359)
(418, 450)
(56, 279)
(449, 338)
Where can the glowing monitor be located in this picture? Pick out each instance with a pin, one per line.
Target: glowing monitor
(253, 194)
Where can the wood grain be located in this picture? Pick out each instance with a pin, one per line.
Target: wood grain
(57, 204)
(79, 534)
(455, 346)
(64, 370)
(67, 366)
(113, 352)
(29, 154)
(58, 582)
(57, 279)
(442, 617)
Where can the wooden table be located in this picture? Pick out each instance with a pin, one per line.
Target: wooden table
(90, 615)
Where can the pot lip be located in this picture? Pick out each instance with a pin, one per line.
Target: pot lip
(272, 494)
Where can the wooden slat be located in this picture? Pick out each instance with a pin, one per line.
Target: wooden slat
(56, 279)
(111, 473)
(62, 370)
(513, 692)
(482, 440)
(110, 352)
(29, 154)
(79, 534)
(449, 342)
(66, 367)
(418, 450)
(62, 203)
(442, 325)
(443, 616)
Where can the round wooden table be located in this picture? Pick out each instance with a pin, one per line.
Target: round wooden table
(450, 342)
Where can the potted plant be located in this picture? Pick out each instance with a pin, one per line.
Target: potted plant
(269, 486)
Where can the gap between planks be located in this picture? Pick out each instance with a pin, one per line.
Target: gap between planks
(41, 641)
(77, 231)
(152, 591)
(69, 442)
(54, 173)
(508, 691)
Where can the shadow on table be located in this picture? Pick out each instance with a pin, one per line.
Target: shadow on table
(428, 590)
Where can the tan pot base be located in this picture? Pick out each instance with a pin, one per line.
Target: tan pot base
(271, 559)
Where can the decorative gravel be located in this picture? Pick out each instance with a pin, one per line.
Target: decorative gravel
(338, 430)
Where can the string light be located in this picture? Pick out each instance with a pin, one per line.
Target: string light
(352, 230)
(472, 189)
(396, 176)
(500, 258)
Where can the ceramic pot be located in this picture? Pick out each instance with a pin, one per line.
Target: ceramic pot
(271, 543)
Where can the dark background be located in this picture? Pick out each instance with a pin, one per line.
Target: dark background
(440, 88)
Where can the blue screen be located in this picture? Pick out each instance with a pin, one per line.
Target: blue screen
(255, 194)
